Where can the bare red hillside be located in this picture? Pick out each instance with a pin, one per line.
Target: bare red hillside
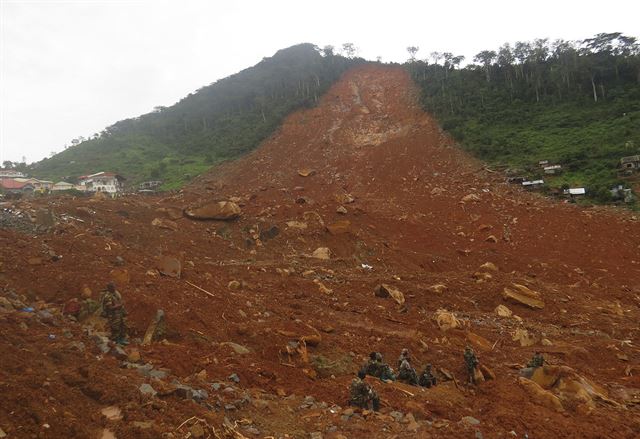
(370, 176)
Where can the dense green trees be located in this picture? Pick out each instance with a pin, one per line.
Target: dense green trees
(576, 103)
(217, 122)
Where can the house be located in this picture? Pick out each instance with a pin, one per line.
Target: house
(630, 164)
(108, 182)
(552, 169)
(10, 173)
(572, 192)
(533, 184)
(543, 163)
(41, 186)
(150, 185)
(62, 186)
(13, 186)
(621, 193)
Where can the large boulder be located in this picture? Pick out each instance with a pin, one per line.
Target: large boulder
(219, 210)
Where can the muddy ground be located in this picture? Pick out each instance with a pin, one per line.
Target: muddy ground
(371, 177)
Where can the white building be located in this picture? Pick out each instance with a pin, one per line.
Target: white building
(108, 182)
(11, 173)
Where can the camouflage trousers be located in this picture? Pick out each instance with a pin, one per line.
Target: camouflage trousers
(117, 325)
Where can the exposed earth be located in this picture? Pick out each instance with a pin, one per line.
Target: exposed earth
(273, 329)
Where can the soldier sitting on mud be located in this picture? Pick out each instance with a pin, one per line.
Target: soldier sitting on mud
(536, 361)
(377, 368)
(113, 310)
(404, 355)
(471, 363)
(361, 394)
(407, 374)
(427, 379)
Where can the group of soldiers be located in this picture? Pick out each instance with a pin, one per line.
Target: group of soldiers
(364, 396)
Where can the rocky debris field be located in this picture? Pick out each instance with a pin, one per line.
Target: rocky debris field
(358, 227)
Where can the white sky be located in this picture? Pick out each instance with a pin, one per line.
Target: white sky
(71, 68)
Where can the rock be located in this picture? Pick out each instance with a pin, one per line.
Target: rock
(397, 416)
(269, 233)
(446, 320)
(86, 292)
(385, 290)
(156, 329)
(197, 431)
(170, 266)
(142, 425)
(220, 210)
(470, 420)
(120, 276)
(487, 373)
(470, 198)
(438, 288)
(306, 172)
(237, 348)
(164, 224)
(344, 198)
(234, 377)
(339, 227)
(482, 276)
(341, 210)
(541, 396)
(315, 435)
(503, 311)
(479, 341)
(234, 285)
(523, 336)
(524, 296)
(147, 390)
(112, 413)
(134, 356)
(107, 434)
(119, 353)
(321, 253)
(546, 342)
(490, 266)
(299, 225)
(172, 213)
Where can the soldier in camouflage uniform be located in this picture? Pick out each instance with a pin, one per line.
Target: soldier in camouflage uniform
(372, 366)
(113, 310)
(361, 394)
(471, 362)
(385, 373)
(404, 355)
(427, 379)
(536, 361)
(407, 374)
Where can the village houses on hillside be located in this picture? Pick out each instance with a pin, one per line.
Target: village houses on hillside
(15, 182)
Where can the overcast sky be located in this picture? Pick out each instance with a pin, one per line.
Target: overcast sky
(71, 68)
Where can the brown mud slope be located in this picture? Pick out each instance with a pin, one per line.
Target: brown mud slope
(371, 177)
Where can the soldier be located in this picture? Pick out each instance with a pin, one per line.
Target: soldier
(536, 361)
(407, 374)
(471, 362)
(385, 373)
(113, 310)
(361, 394)
(427, 379)
(404, 355)
(372, 366)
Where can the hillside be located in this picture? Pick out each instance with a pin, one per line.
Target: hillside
(576, 104)
(273, 329)
(217, 122)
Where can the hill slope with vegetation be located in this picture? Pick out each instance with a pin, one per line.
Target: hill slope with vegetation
(576, 104)
(217, 122)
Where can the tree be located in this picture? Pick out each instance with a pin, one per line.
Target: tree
(7, 164)
(435, 56)
(413, 50)
(486, 58)
(349, 49)
(328, 50)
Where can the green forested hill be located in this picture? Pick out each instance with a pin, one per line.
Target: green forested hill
(576, 104)
(217, 122)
